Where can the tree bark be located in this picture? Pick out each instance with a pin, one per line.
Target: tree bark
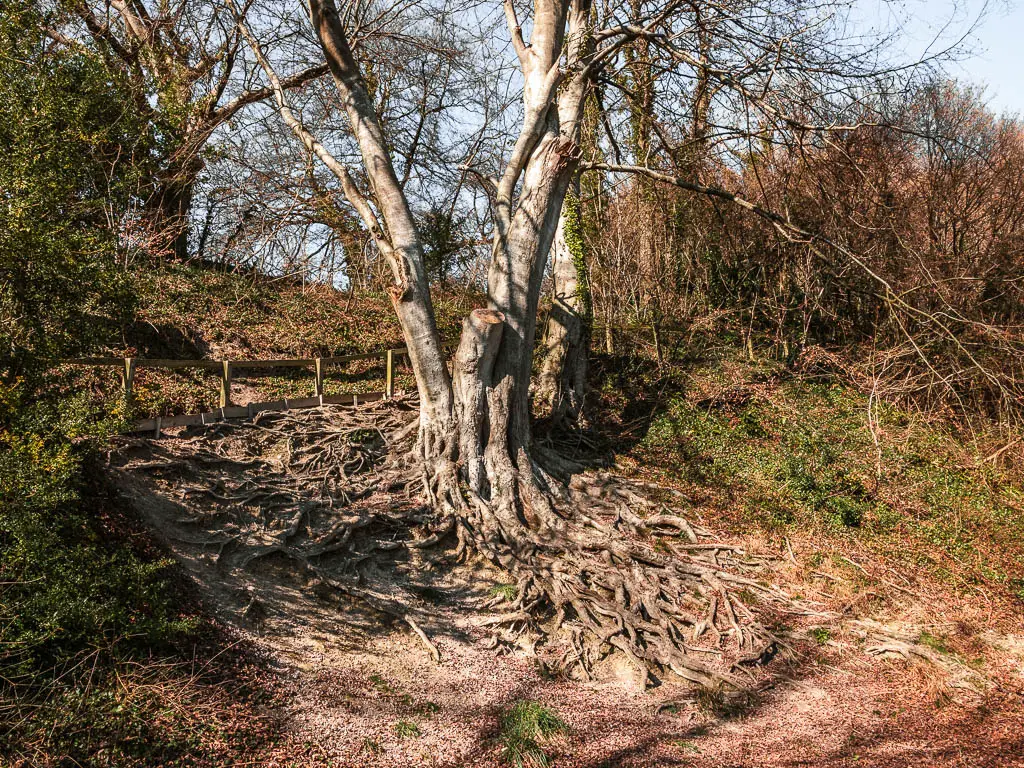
(171, 205)
(401, 244)
(562, 382)
(517, 278)
(472, 369)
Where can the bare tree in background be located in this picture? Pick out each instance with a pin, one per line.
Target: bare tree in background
(188, 73)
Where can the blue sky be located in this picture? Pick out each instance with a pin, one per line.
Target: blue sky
(992, 53)
(999, 57)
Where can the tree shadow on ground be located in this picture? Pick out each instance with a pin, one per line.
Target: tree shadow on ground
(164, 340)
(630, 391)
(626, 394)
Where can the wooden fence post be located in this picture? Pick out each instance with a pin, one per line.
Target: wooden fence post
(319, 391)
(225, 385)
(128, 377)
(389, 381)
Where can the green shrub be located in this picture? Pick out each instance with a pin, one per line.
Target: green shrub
(71, 581)
(80, 597)
(74, 152)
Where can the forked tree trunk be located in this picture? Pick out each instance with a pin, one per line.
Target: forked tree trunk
(483, 422)
(542, 164)
(517, 276)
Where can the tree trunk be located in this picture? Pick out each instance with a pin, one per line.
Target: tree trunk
(400, 244)
(171, 205)
(514, 289)
(563, 378)
(472, 369)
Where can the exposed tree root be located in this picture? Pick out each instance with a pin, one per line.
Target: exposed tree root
(600, 565)
(916, 645)
(309, 488)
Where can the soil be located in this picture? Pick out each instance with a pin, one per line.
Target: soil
(867, 682)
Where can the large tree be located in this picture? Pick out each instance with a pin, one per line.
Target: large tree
(74, 157)
(752, 66)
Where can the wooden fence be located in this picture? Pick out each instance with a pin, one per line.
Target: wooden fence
(226, 370)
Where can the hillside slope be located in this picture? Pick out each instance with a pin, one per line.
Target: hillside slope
(900, 532)
(201, 312)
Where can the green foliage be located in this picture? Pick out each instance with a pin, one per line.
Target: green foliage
(69, 583)
(76, 598)
(524, 727)
(71, 144)
(793, 468)
(427, 708)
(406, 729)
(99, 718)
(685, 746)
(507, 592)
(794, 453)
(1017, 588)
(444, 242)
(382, 685)
(934, 642)
(576, 243)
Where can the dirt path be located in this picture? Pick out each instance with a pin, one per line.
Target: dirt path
(364, 689)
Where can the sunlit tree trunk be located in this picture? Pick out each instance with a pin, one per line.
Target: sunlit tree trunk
(483, 421)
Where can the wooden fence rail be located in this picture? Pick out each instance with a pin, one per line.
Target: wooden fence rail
(227, 368)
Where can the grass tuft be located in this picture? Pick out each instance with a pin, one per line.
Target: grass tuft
(372, 747)
(934, 642)
(508, 592)
(406, 729)
(524, 727)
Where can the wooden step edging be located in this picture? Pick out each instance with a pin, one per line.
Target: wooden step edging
(160, 423)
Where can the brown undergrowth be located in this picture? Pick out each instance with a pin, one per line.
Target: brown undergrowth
(205, 701)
